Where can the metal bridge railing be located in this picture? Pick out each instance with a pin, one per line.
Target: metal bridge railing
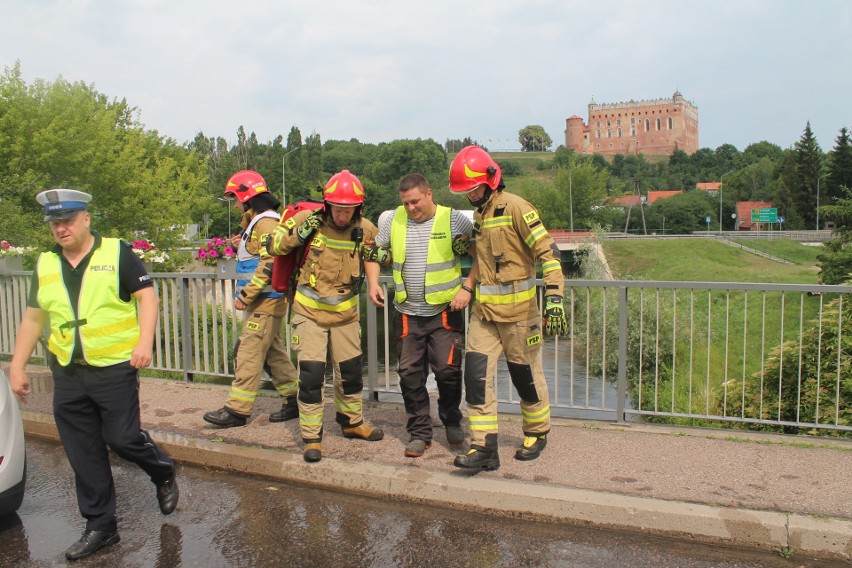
(778, 355)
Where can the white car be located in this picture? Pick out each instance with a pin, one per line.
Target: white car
(13, 457)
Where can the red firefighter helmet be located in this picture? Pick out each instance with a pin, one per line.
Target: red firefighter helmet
(245, 184)
(471, 167)
(344, 189)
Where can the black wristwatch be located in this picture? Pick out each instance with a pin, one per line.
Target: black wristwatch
(467, 289)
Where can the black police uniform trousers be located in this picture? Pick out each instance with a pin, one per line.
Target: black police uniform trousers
(96, 407)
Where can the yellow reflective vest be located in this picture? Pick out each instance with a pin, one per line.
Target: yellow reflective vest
(443, 267)
(109, 328)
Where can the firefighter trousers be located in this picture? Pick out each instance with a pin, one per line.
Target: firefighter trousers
(521, 343)
(260, 345)
(312, 343)
(423, 342)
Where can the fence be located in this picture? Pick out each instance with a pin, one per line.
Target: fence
(773, 355)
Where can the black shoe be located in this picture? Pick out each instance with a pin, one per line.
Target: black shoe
(168, 494)
(224, 419)
(531, 447)
(289, 411)
(91, 542)
(478, 458)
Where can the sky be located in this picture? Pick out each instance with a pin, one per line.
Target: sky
(380, 70)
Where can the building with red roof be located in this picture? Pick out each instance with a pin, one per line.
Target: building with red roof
(744, 215)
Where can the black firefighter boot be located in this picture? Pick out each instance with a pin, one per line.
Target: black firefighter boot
(484, 458)
(289, 410)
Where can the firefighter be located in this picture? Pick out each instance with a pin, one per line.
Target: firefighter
(326, 308)
(509, 238)
(260, 344)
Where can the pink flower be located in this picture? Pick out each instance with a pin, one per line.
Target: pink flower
(5, 244)
(228, 251)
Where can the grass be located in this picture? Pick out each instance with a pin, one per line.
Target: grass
(705, 260)
(699, 377)
(782, 248)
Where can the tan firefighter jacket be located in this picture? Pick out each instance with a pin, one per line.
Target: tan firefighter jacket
(327, 288)
(510, 237)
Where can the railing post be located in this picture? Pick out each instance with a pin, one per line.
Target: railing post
(372, 351)
(185, 329)
(622, 354)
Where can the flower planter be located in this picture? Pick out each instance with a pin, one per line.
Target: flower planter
(226, 269)
(149, 266)
(11, 264)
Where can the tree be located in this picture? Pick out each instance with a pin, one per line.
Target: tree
(534, 138)
(783, 198)
(839, 169)
(62, 134)
(808, 170)
(836, 262)
(684, 213)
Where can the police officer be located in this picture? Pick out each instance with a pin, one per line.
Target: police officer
(103, 311)
(510, 238)
(260, 345)
(326, 308)
(424, 242)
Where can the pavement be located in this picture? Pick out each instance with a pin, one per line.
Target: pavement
(790, 494)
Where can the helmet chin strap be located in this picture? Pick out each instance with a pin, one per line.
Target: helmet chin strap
(486, 195)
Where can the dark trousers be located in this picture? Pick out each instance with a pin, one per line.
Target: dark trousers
(437, 342)
(96, 407)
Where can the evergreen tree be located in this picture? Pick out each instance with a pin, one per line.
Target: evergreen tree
(836, 262)
(839, 169)
(808, 172)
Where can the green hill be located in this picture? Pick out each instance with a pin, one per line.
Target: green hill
(708, 260)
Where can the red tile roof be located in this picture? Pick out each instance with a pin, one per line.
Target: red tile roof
(709, 185)
(662, 194)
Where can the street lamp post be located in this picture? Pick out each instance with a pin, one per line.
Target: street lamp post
(817, 207)
(283, 175)
(720, 198)
(570, 201)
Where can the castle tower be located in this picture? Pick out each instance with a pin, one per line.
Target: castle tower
(576, 134)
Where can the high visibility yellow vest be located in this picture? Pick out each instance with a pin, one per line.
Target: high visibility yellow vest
(443, 267)
(109, 329)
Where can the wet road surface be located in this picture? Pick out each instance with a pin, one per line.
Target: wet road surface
(228, 520)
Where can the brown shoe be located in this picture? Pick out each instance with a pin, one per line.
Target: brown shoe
(313, 452)
(365, 431)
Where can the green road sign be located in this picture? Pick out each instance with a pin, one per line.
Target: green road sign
(764, 215)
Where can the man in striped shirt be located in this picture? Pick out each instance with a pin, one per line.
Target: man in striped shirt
(424, 242)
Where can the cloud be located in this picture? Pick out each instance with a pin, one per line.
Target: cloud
(380, 70)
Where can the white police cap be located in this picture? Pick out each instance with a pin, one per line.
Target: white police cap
(62, 204)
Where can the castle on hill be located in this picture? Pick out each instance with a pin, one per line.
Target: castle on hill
(659, 126)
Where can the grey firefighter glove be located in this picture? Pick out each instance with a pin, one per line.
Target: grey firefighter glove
(311, 224)
(555, 322)
(460, 245)
(371, 252)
